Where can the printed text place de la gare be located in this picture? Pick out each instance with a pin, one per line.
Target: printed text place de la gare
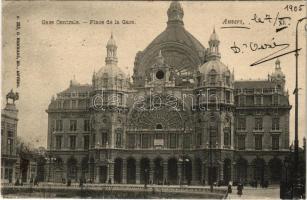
(91, 21)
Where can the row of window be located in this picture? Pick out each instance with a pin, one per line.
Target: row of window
(86, 140)
(72, 142)
(72, 125)
(258, 142)
(212, 96)
(257, 99)
(213, 136)
(241, 125)
(170, 140)
(72, 104)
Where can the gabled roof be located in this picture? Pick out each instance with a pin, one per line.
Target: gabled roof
(257, 84)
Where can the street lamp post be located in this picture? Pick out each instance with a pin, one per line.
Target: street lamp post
(296, 156)
(182, 159)
(210, 160)
(50, 156)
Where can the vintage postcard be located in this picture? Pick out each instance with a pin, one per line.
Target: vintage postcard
(153, 99)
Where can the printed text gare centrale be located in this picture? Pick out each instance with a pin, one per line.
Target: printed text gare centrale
(91, 21)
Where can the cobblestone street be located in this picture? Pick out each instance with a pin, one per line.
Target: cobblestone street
(256, 193)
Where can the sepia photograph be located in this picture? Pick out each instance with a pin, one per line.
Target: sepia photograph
(153, 99)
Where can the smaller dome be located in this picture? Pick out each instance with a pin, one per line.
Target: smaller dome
(110, 71)
(214, 36)
(216, 65)
(111, 41)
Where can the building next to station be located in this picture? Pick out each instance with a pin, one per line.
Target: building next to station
(9, 155)
(181, 119)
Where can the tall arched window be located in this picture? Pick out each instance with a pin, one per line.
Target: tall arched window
(212, 131)
(227, 133)
(118, 133)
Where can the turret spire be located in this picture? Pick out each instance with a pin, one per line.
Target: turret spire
(111, 51)
(214, 43)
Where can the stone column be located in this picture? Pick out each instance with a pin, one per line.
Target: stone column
(165, 171)
(151, 171)
(137, 171)
(179, 169)
(97, 174)
(233, 173)
(250, 173)
(124, 170)
(267, 173)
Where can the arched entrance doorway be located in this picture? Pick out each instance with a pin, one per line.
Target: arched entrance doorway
(275, 165)
(84, 168)
(131, 178)
(227, 170)
(241, 169)
(92, 169)
(186, 170)
(58, 170)
(72, 169)
(198, 166)
(144, 170)
(259, 167)
(24, 165)
(41, 169)
(103, 173)
(172, 171)
(212, 174)
(118, 170)
(158, 171)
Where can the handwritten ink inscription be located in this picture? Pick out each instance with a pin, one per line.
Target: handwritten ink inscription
(254, 46)
(279, 21)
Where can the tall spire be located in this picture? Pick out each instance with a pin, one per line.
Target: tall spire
(277, 64)
(175, 13)
(111, 51)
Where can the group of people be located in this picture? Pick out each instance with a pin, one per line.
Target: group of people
(34, 181)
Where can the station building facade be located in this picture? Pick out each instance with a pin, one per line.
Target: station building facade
(182, 118)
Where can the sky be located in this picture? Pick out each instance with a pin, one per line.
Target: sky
(51, 55)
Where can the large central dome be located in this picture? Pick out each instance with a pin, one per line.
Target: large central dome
(182, 51)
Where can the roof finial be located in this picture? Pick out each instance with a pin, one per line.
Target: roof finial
(175, 13)
(160, 58)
